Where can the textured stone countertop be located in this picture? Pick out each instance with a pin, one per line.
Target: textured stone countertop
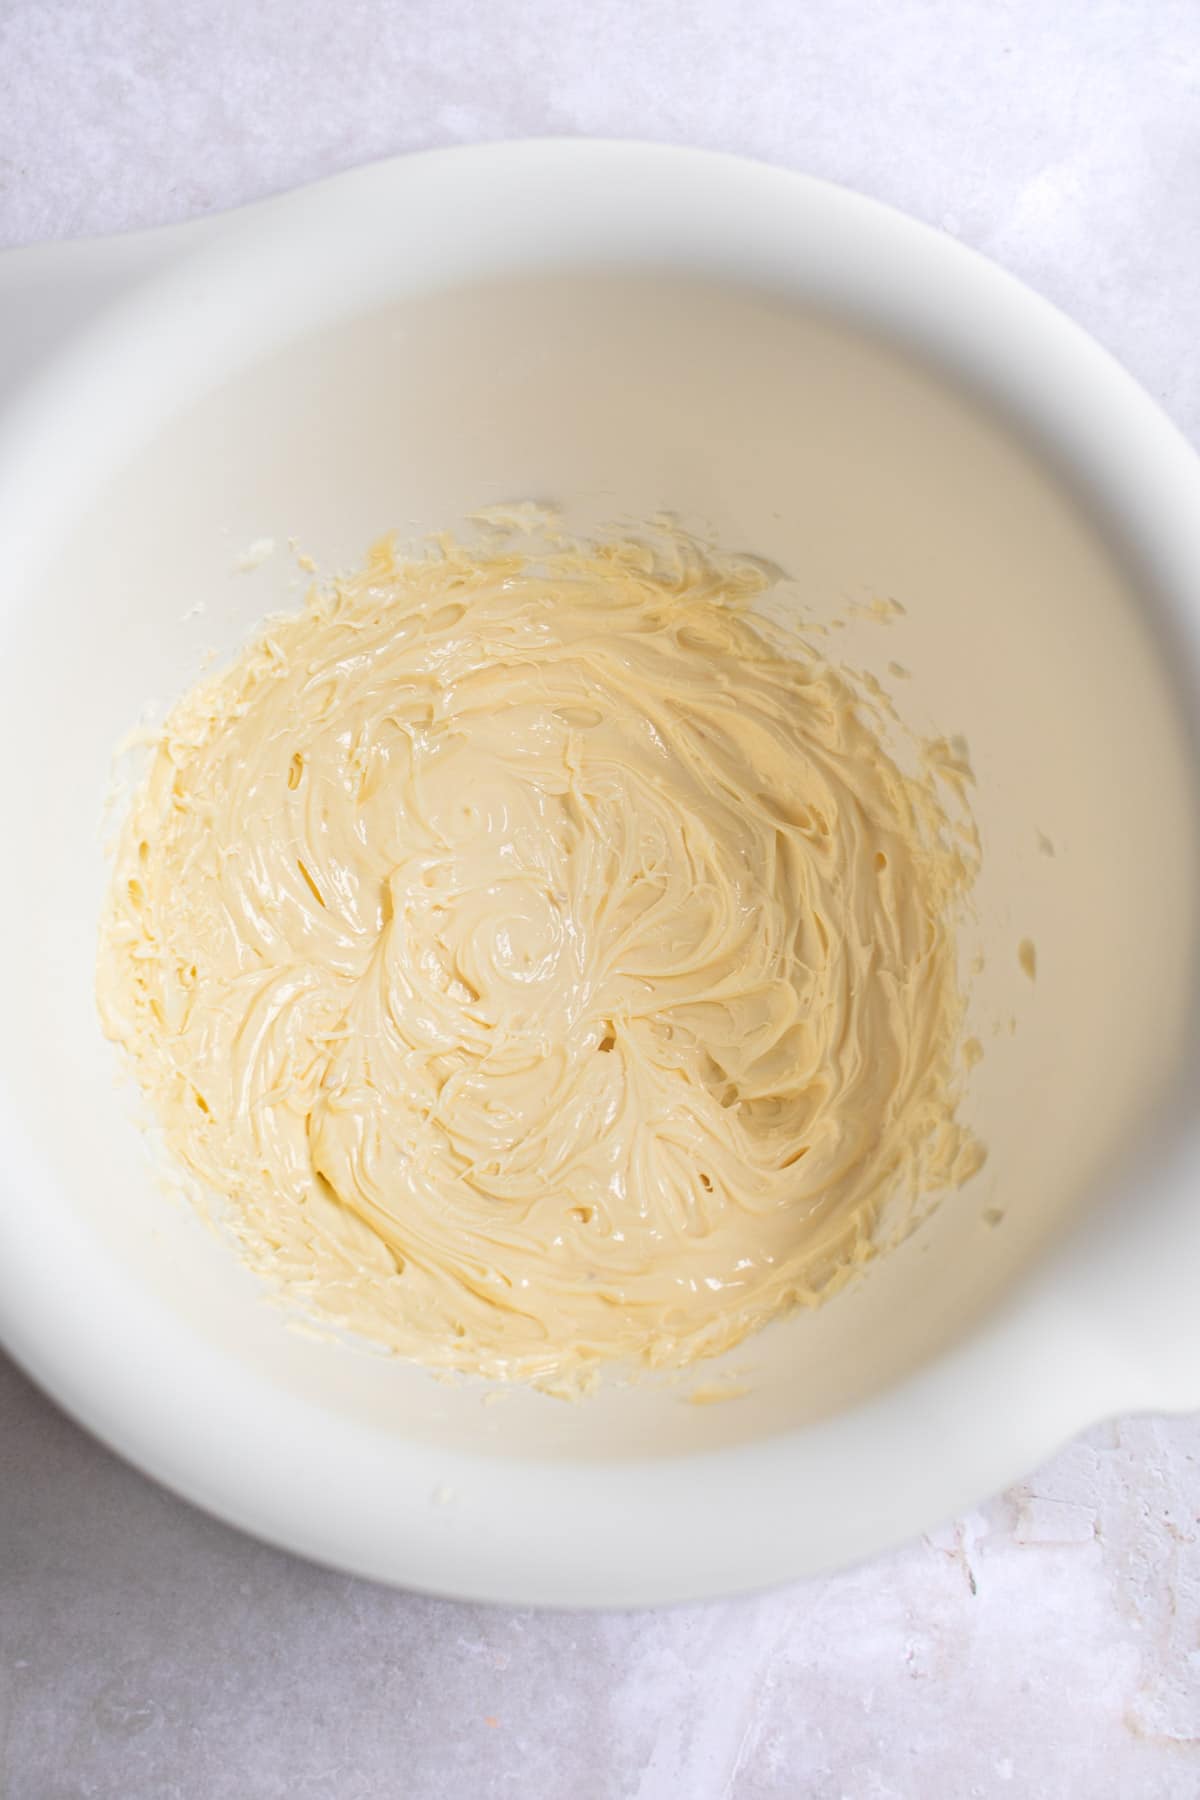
(1047, 1644)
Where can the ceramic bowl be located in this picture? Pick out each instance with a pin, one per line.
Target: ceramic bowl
(622, 329)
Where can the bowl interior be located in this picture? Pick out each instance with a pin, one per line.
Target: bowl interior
(862, 468)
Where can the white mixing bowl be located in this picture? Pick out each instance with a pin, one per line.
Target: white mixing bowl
(626, 329)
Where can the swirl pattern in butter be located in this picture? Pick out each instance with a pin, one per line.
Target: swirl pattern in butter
(544, 957)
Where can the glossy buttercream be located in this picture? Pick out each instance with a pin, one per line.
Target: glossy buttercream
(545, 957)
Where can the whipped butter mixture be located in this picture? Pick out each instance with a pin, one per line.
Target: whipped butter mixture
(544, 957)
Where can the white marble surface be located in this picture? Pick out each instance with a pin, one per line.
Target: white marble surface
(1048, 1644)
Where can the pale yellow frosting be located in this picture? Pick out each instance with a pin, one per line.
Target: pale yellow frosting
(544, 957)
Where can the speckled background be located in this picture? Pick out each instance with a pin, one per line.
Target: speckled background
(1047, 1645)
